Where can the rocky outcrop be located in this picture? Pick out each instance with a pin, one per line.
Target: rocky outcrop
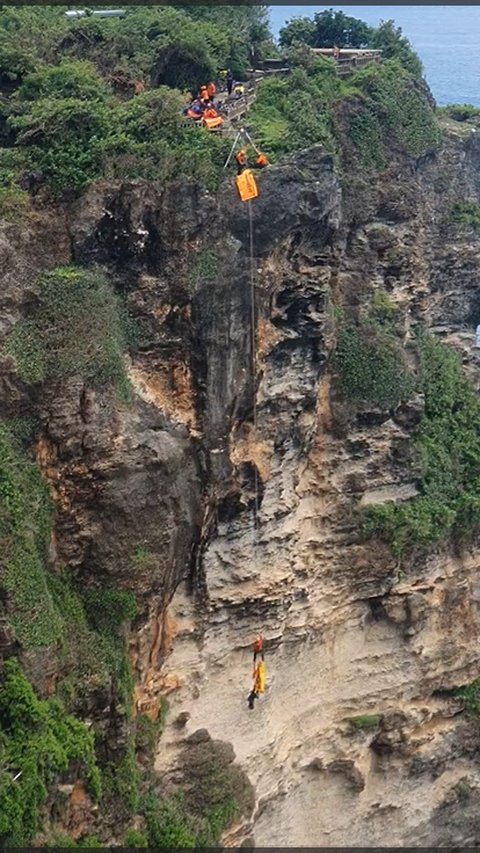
(158, 496)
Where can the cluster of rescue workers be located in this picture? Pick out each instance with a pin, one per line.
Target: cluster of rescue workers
(202, 109)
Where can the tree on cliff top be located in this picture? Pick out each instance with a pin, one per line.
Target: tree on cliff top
(330, 28)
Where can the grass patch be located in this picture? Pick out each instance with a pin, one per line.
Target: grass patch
(39, 741)
(467, 214)
(364, 722)
(75, 330)
(14, 203)
(134, 838)
(143, 559)
(204, 268)
(448, 444)
(308, 92)
(471, 697)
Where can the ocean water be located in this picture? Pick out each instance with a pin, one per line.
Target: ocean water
(447, 39)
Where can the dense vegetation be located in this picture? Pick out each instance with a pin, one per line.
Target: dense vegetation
(466, 214)
(448, 444)
(103, 97)
(71, 115)
(25, 524)
(43, 610)
(372, 366)
(385, 106)
(38, 742)
(43, 344)
(195, 815)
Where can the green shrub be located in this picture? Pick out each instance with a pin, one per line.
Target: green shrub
(109, 609)
(72, 130)
(62, 140)
(203, 268)
(294, 112)
(76, 330)
(38, 741)
(401, 106)
(171, 822)
(148, 731)
(382, 308)
(448, 444)
(372, 366)
(148, 139)
(366, 134)
(212, 793)
(14, 203)
(466, 213)
(15, 62)
(134, 838)
(460, 112)
(143, 559)
(168, 822)
(68, 80)
(471, 697)
(12, 162)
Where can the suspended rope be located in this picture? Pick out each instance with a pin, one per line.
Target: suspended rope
(253, 349)
(247, 191)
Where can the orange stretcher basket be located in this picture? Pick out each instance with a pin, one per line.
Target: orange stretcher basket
(246, 185)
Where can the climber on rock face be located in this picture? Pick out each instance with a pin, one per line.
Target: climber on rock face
(258, 673)
(258, 648)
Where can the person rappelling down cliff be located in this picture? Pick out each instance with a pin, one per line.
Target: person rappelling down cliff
(258, 672)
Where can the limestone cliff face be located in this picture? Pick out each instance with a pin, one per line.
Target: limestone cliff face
(159, 496)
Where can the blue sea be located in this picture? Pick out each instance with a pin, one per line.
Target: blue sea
(447, 39)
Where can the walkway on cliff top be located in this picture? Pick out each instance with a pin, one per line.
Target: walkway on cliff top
(347, 61)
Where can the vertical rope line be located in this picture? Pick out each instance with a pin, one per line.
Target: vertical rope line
(253, 348)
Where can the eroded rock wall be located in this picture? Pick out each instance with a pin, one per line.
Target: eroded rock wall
(158, 496)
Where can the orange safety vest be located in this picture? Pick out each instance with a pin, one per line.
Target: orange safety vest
(241, 157)
(211, 89)
(261, 161)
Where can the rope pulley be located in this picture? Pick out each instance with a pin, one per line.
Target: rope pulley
(245, 181)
